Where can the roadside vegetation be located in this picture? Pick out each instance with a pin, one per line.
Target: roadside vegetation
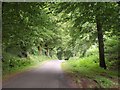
(86, 73)
(13, 64)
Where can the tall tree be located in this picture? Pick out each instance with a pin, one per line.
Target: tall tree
(98, 13)
(28, 27)
(101, 43)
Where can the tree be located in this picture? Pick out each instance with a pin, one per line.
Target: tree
(101, 44)
(23, 29)
(93, 13)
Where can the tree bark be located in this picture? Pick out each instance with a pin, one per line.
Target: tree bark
(40, 50)
(101, 43)
(47, 50)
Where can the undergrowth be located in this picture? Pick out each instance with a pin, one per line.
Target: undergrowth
(12, 64)
(88, 67)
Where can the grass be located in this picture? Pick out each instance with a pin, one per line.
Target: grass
(88, 67)
(13, 64)
(105, 82)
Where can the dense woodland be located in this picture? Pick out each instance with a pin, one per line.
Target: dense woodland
(86, 35)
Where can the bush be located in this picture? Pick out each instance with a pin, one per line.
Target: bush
(67, 54)
(12, 63)
(84, 65)
(112, 48)
(93, 50)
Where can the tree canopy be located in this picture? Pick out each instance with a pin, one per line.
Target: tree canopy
(67, 29)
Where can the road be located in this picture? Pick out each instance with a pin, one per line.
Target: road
(47, 75)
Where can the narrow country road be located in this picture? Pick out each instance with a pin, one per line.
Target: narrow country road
(48, 75)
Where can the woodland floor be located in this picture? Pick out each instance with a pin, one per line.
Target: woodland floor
(84, 82)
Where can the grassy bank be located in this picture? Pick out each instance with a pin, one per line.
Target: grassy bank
(86, 73)
(13, 64)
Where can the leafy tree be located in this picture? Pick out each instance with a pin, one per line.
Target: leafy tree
(93, 13)
(25, 30)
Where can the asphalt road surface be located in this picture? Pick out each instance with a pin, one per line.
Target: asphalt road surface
(48, 75)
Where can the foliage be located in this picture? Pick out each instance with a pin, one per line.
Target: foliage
(23, 29)
(90, 20)
(112, 47)
(105, 82)
(67, 54)
(12, 63)
(93, 50)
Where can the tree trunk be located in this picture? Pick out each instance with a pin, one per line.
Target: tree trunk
(40, 50)
(47, 52)
(101, 44)
(50, 52)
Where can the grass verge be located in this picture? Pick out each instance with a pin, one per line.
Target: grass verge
(87, 74)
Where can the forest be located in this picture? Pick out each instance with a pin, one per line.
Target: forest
(84, 34)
